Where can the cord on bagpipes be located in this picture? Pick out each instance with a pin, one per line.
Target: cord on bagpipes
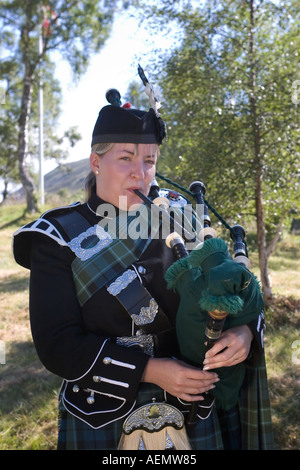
(232, 230)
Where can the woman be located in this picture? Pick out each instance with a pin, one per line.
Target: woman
(87, 288)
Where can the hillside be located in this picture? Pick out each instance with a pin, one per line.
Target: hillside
(68, 175)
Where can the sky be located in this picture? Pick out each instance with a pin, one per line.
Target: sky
(114, 67)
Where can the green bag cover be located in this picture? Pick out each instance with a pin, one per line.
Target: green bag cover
(206, 280)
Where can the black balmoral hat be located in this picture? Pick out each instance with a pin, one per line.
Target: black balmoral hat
(126, 124)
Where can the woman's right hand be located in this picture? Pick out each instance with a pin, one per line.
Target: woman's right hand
(178, 378)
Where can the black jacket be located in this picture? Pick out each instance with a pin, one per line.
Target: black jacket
(78, 344)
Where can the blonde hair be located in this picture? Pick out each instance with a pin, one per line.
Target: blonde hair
(90, 180)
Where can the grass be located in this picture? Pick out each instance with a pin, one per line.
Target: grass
(28, 393)
(283, 360)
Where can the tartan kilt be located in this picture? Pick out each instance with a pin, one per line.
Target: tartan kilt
(246, 426)
(74, 434)
(255, 409)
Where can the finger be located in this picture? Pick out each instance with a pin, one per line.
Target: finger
(225, 353)
(234, 352)
(198, 386)
(223, 361)
(194, 392)
(194, 387)
(196, 396)
(206, 377)
(198, 375)
(190, 397)
(220, 345)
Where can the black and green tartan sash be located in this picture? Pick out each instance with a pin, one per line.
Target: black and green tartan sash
(92, 274)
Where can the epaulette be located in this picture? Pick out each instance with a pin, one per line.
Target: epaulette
(21, 241)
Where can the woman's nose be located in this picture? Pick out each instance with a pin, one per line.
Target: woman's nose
(137, 170)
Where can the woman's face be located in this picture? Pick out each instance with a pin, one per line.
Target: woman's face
(122, 169)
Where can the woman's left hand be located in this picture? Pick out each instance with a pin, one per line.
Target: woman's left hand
(235, 345)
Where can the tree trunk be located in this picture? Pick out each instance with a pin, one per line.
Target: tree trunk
(4, 192)
(30, 66)
(261, 240)
(272, 245)
(26, 180)
(258, 161)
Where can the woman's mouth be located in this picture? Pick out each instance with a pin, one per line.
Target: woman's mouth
(134, 189)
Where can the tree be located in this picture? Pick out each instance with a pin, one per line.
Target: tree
(9, 113)
(228, 90)
(8, 126)
(74, 28)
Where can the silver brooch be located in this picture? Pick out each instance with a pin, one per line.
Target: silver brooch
(122, 282)
(145, 342)
(96, 233)
(147, 314)
(154, 417)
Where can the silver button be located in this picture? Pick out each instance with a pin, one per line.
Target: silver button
(96, 378)
(75, 388)
(107, 360)
(141, 270)
(91, 399)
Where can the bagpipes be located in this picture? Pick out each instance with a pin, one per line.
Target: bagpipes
(216, 293)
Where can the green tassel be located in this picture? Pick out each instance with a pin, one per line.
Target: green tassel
(175, 271)
(231, 304)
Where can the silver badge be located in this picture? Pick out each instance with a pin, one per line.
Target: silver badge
(153, 417)
(122, 282)
(104, 239)
(147, 314)
(145, 342)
